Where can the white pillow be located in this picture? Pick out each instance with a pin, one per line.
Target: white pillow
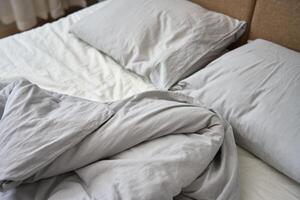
(162, 40)
(257, 89)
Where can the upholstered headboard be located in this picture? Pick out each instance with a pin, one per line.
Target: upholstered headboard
(274, 20)
(277, 21)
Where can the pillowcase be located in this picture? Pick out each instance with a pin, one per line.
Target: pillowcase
(162, 40)
(257, 89)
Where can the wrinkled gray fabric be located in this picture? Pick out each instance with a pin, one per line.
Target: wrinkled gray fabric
(155, 145)
(37, 126)
(257, 89)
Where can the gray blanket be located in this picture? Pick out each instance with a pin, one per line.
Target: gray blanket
(153, 146)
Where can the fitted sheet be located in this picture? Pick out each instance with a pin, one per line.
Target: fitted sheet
(54, 59)
(260, 181)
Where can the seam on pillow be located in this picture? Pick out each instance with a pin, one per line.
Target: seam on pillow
(213, 46)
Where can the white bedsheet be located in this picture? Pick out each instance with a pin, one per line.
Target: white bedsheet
(261, 182)
(54, 59)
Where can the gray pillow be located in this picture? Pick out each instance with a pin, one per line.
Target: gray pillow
(257, 89)
(162, 40)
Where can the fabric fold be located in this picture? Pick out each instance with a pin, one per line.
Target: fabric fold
(37, 126)
(154, 145)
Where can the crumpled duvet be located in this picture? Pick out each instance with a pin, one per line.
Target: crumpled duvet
(154, 146)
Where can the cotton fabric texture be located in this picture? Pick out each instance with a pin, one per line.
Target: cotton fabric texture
(129, 149)
(160, 40)
(256, 88)
(70, 66)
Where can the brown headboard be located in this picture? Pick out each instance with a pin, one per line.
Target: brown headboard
(274, 20)
(277, 21)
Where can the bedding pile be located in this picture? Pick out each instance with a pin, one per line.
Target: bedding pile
(61, 147)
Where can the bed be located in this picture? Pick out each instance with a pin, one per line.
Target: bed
(72, 67)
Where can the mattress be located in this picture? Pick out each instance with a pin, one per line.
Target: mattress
(54, 59)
